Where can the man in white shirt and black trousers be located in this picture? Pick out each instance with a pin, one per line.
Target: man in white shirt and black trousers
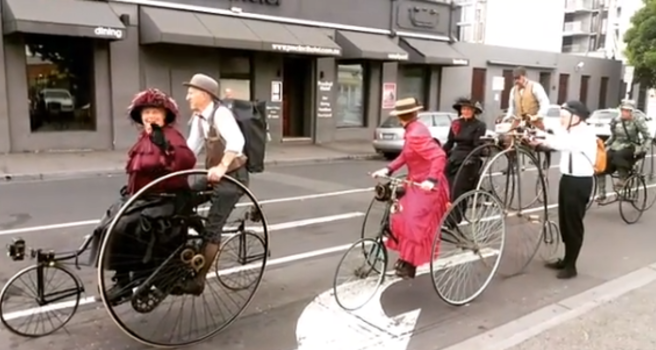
(214, 127)
(577, 143)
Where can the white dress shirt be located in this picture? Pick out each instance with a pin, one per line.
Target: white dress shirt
(225, 125)
(538, 91)
(578, 143)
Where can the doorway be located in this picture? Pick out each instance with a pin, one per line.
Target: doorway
(297, 99)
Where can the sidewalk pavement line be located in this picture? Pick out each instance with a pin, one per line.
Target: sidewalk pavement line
(529, 326)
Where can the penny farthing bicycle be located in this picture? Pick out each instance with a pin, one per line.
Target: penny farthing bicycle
(472, 248)
(524, 196)
(157, 239)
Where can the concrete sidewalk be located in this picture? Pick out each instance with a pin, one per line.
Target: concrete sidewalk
(619, 314)
(627, 323)
(39, 166)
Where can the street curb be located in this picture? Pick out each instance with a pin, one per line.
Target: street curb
(7, 178)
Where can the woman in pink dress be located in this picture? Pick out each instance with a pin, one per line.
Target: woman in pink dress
(421, 207)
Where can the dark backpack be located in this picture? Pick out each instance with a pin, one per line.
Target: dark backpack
(251, 118)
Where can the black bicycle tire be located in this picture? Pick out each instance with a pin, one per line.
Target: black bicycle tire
(26, 270)
(355, 246)
(223, 245)
(104, 247)
(627, 187)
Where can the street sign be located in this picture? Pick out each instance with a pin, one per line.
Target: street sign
(323, 325)
(498, 83)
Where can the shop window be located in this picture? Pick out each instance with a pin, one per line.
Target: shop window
(235, 81)
(413, 82)
(350, 96)
(60, 83)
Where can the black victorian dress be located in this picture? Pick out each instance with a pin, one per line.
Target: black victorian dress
(464, 136)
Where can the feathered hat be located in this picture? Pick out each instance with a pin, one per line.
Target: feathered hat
(467, 102)
(153, 98)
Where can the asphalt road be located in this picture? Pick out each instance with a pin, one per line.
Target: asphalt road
(314, 211)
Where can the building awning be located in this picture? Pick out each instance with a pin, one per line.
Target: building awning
(369, 46)
(90, 19)
(187, 28)
(433, 52)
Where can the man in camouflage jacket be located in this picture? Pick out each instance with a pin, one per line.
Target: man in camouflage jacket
(629, 141)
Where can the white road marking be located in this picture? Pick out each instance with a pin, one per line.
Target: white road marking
(267, 201)
(368, 327)
(274, 227)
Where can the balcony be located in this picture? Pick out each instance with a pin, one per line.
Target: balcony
(576, 6)
(575, 48)
(575, 29)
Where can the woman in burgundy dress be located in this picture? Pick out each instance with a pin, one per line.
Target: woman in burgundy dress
(160, 149)
(421, 207)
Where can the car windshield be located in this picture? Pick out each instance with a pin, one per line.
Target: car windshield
(56, 94)
(604, 114)
(391, 122)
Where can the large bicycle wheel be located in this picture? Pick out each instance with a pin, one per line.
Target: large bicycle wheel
(467, 256)
(593, 193)
(360, 273)
(524, 227)
(153, 255)
(633, 199)
(39, 300)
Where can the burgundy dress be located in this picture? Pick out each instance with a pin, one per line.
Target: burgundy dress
(147, 162)
(421, 211)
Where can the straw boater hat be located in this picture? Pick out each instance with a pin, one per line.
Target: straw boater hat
(406, 106)
(156, 99)
(204, 83)
(467, 102)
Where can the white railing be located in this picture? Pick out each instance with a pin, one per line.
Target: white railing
(574, 27)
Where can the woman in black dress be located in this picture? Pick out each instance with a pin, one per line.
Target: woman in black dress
(464, 136)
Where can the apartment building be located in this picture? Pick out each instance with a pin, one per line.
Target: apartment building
(586, 27)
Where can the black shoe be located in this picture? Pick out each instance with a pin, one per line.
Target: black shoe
(567, 273)
(555, 265)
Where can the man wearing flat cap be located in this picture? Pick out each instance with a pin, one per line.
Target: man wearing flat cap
(215, 128)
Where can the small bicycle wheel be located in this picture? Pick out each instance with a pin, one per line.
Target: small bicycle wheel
(155, 245)
(360, 273)
(39, 300)
(467, 256)
(633, 199)
(550, 241)
(239, 250)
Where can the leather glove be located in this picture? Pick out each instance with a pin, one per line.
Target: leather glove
(381, 172)
(157, 137)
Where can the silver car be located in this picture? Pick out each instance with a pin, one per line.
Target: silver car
(388, 137)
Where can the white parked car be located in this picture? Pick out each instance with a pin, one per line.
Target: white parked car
(600, 120)
(60, 97)
(551, 121)
(388, 137)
